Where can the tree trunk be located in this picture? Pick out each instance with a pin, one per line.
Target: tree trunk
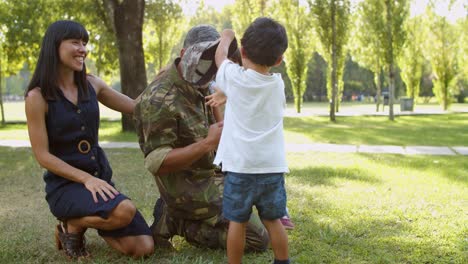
(445, 95)
(379, 90)
(99, 60)
(127, 22)
(160, 62)
(334, 65)
(339, 94)
(390, 60)
(391, 91)
(298, 98)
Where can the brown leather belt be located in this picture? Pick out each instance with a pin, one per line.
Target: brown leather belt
(84, 146)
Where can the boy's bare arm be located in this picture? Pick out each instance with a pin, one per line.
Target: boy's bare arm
(227, 36)
(218, 98)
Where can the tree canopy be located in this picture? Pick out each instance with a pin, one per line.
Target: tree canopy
(134, 39)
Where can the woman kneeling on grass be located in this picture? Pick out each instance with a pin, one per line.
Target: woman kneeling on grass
(63, 119)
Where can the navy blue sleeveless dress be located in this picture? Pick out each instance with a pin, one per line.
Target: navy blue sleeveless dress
(73, 137)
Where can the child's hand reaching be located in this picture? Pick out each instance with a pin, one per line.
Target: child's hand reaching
(218, 98)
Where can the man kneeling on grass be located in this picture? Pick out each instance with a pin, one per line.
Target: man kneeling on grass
(178, 135)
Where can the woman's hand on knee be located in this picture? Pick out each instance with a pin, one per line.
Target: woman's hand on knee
(97, 186)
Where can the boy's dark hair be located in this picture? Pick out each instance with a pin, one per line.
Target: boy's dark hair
(264, 41)
(46, 73)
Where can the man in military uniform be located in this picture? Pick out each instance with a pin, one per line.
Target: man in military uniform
(178, 136)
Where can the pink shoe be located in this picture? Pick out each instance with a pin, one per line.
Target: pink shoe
(288, 225)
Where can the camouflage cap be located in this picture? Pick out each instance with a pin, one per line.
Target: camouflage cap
(198, 62)
(200, 33)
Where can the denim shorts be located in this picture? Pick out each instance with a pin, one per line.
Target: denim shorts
(242, 191)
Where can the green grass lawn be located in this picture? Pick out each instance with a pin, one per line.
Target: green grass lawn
(348, 208)
(436, 130)
(108, 131)
(14, 111)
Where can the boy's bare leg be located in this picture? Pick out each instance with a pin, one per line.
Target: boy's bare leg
(235, 242)
(278, 238)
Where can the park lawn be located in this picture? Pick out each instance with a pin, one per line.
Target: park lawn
(109, 131)
(14, 111)
(348, 208)
(424, 130)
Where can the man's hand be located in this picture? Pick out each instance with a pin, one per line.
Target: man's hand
(214, 134)
(218, 98)
(181, 158)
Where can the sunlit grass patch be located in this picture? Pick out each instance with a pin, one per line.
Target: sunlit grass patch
(348, 208)
(436, 130)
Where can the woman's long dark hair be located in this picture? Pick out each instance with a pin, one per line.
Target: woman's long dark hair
(46, 73)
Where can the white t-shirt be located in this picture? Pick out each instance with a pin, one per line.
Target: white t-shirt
(252, 140)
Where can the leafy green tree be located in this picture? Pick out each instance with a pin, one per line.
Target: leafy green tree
(122, 19)
(357, 79)
(396, 12)
(331, 19)
(316, 79)
(163, 29)
(462, 26)
(206, 14)
(287, 82)
(441, 50)
(365, 45)
(20, 34)
(426, 85)
(245, 11)
(2, 40)
(23, 32)
(296, 20)
(411, 60)
(385, 19)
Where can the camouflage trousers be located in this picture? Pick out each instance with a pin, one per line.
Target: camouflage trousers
(208, 233)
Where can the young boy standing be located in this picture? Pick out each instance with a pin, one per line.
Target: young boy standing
(251, 148)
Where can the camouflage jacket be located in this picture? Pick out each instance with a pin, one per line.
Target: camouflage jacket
(172, 114)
